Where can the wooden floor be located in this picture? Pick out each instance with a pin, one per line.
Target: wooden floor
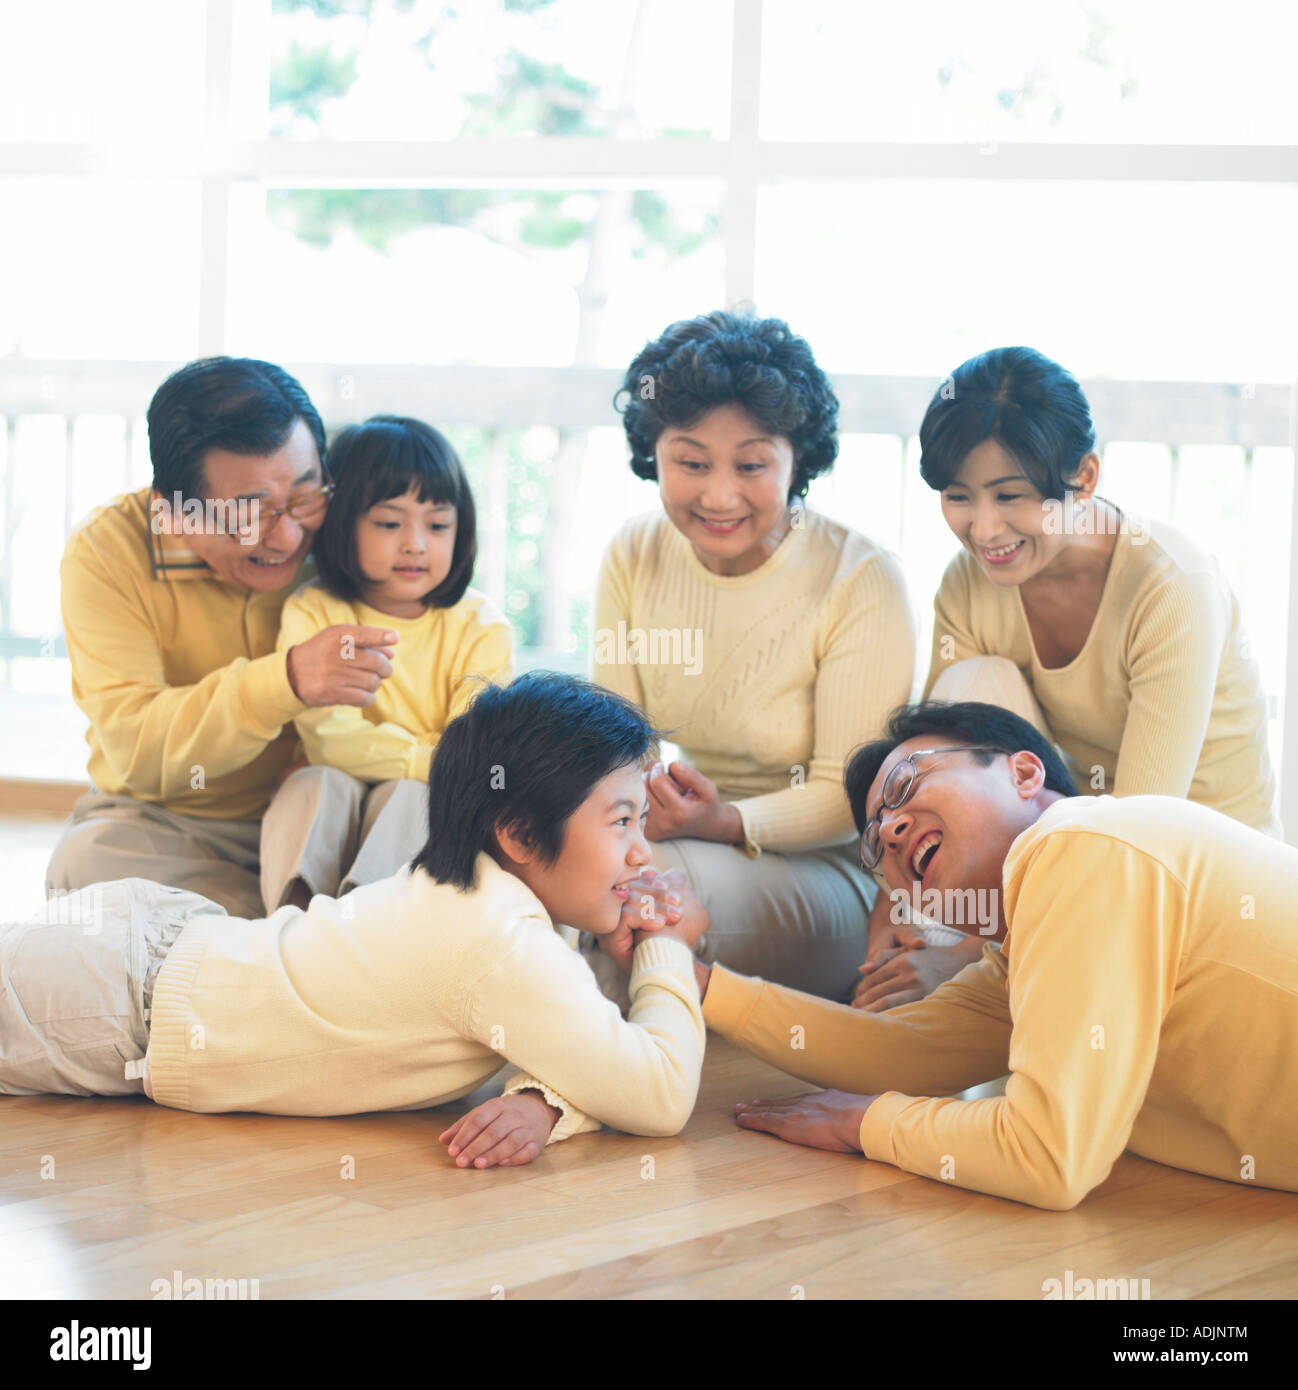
(139, 1192)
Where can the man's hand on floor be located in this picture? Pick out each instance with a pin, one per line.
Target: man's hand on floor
(821, 1120)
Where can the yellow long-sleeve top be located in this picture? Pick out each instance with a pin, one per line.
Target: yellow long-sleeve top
(765, 680)
(1164, 695)
(435, 675)
(1146, 997)
(175, 668)
(406, 994)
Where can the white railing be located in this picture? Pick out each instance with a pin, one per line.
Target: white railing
(1172, 450)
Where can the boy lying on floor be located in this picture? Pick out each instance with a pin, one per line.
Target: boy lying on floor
(409, 992)
(1145, 995)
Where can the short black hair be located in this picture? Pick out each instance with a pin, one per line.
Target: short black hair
(720, 359)
(1029, 405)
(384, 458)
(964, 721)
(524, 756)
(236, 403)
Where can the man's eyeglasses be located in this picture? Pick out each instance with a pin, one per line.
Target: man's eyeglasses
(242, 516)
(897, 788)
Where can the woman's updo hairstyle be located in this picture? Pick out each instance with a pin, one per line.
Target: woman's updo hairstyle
(721, 359)
(1029, 405)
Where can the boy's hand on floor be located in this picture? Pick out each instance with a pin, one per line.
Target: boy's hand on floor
(504, 1132)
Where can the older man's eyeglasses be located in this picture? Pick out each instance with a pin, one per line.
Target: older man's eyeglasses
(897, 788)
(250, 514)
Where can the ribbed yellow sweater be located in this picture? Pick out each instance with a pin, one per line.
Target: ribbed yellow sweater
(175, 669)
(438, 666)
(1146, 997)
(766, 680)
(406, 994)
(1164, 697)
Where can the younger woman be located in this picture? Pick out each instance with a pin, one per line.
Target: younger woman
(412, 991)
(396, 550)
(1118, 637)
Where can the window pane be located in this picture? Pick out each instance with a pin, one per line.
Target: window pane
(1121, 71)
(99, 268)
(497, 277)
(85, 70)
(1127, 280)
(428, 70)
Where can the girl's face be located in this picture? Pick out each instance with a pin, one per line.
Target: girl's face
(1001, 518)
(724, 483)
(604, 848)
(405, 548)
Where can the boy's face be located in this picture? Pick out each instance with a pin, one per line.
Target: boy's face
(604, 847)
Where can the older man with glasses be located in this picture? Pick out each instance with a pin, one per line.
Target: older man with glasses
(1139, 983)
(171, 606)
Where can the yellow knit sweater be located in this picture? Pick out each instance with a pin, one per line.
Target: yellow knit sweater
(175, 669)
(1164, 697)
(1146, 997)
(766, 680)
(438, 666)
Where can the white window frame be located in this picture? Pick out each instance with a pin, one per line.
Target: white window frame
(741, 164)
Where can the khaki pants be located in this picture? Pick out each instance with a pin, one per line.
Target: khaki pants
(333, 832)
(992, 680)
(116, 837)
(76, 987)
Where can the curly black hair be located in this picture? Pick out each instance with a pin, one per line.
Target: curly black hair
(719, 359)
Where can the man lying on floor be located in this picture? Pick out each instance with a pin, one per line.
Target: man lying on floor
(412, 991)
(1145, 995)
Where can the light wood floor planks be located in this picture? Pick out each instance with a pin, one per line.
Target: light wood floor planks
(139, 1192)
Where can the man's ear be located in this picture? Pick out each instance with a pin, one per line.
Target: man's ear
(1028, 773)
(514, 845)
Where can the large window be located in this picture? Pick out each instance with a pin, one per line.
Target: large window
(478, 212)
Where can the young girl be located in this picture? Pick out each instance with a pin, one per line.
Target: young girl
(412, 991)
(396, 550)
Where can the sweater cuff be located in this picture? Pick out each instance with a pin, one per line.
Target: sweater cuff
(571, 1120)
(876, 1125)
(659, 953)
(268, 698)
(419, 761)
(750, 846)
(730, 1001)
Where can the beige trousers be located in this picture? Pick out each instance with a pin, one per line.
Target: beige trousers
(991, 680)
(334, 832)
(115, 837)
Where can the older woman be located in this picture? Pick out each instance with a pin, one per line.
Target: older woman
(766, 639)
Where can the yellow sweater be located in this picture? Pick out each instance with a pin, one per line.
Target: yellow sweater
(433, 680)
(175, 669)
(1146, 997)
(1164, 696)
(406, 994)
(766, 680)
